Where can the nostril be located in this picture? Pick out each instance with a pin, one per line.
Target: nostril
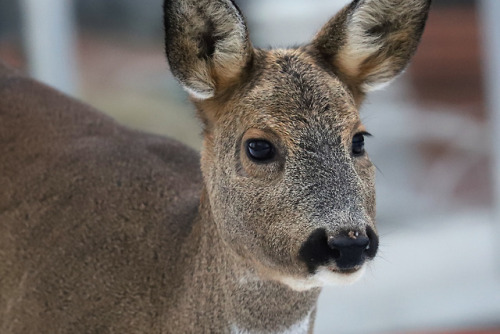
(336, 253)
(372, 247)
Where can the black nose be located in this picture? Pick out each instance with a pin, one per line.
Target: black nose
(347, 249)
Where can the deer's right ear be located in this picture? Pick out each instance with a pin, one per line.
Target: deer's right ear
(207, 44)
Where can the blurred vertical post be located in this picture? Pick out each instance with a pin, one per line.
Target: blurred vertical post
(490, 18)
(49, 42)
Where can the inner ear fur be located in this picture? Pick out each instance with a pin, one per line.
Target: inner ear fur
(207, 44)
(370, 42)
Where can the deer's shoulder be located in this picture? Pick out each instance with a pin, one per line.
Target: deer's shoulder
(67, 164)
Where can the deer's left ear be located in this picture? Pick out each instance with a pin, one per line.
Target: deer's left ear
(370, 42)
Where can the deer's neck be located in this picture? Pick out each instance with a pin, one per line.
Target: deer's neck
(220, 288)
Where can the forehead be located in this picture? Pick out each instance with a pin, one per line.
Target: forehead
(291, 91)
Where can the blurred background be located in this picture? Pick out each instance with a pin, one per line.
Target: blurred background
(434, 140)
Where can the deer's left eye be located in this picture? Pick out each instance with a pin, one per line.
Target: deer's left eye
(358, 143)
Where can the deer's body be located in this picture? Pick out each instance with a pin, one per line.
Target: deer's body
(108, 230)
(85, 209)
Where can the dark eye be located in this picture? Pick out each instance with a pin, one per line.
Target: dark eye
(260, 150)
(358, 144)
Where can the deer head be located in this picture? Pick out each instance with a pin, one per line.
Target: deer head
(287, 180)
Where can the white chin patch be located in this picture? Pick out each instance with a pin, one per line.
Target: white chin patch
(322, 277)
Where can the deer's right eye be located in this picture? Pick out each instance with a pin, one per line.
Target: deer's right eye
(260, 150)
(358, 143)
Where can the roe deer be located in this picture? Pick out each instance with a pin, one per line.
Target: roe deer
(108, 230)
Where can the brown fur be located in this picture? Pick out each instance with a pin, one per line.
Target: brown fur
(108, 230)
